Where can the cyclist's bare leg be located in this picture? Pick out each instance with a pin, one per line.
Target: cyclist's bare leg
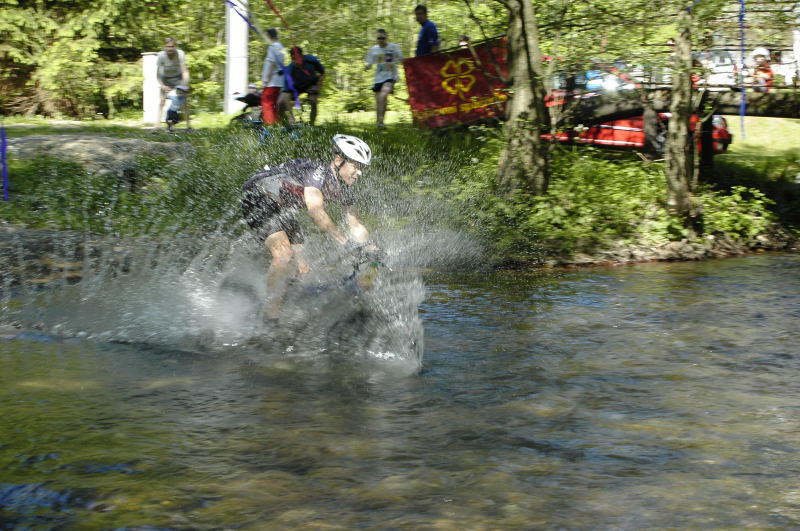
(280, 270)
(302, 265)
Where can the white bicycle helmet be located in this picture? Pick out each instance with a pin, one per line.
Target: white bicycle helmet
(352, 148)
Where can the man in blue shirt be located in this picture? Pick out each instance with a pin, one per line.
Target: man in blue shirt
(428, 40)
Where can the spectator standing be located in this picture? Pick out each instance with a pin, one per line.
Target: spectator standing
(385, 55)
(428, 39)
(306, 73)
(272, 78)
(171, 72)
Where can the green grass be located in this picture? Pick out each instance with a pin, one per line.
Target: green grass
(130, 124)
(768, 157)
(763, 136)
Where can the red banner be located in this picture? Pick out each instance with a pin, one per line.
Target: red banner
(460, 86)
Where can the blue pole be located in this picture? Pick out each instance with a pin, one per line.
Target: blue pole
(743, 50)
(4, 158)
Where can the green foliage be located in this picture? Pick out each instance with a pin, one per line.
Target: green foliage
(595, 200)
(79, 58)
(57, 194)
(149, 196)
(591, 202)
(350, 89)
(418, 179)
(742, 213)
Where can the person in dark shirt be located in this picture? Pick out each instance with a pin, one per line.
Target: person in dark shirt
(306, 73)
(428, 39)
(272, 199)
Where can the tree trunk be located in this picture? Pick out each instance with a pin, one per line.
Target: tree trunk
(524, 162)
(653, 139)
(679, 153)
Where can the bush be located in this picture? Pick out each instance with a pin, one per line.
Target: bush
(591, 202)
(743, 213)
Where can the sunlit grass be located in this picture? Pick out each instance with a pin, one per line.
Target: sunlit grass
(763, 136)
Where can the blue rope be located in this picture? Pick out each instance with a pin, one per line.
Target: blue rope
(235, 8)
(4, 158)
(743, 50)
(287, 76)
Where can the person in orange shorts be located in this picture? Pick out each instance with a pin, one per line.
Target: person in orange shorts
(272, 78)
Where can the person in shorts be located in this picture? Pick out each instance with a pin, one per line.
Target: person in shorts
(273, 199)
(306, 73)
(385, 56)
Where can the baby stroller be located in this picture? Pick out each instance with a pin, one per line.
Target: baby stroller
(250, 117)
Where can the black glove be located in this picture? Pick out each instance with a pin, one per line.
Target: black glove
(373, 255)
(364, 252)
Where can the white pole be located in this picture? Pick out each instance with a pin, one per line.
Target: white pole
(796, 44)
(150, 87)
(236, 33)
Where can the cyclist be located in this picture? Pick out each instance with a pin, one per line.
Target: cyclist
(273, 198)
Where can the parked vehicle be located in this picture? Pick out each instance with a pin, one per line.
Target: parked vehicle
(629, 133)
(722, 72)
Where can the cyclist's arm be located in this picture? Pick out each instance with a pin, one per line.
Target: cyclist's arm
(358, 232)
(316, 209)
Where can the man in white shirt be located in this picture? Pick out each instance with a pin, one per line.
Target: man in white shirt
(386, 55)
(272, 78)
(171, 72)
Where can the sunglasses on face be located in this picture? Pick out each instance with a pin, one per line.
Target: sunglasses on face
(358, 166)
(381, 38)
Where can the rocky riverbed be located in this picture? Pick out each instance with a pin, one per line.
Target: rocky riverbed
(711, 246)
(96, 153)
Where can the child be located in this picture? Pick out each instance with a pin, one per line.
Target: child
(177, 96)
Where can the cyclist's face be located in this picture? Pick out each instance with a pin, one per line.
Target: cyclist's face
(350, 171)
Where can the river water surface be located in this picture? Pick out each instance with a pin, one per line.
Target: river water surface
(648, 396)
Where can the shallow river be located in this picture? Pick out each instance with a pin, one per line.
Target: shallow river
(655, 395)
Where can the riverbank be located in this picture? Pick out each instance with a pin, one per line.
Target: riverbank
(602, 207)
(709, 247)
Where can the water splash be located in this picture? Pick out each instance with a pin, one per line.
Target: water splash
(170, 286)
(206, 296)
